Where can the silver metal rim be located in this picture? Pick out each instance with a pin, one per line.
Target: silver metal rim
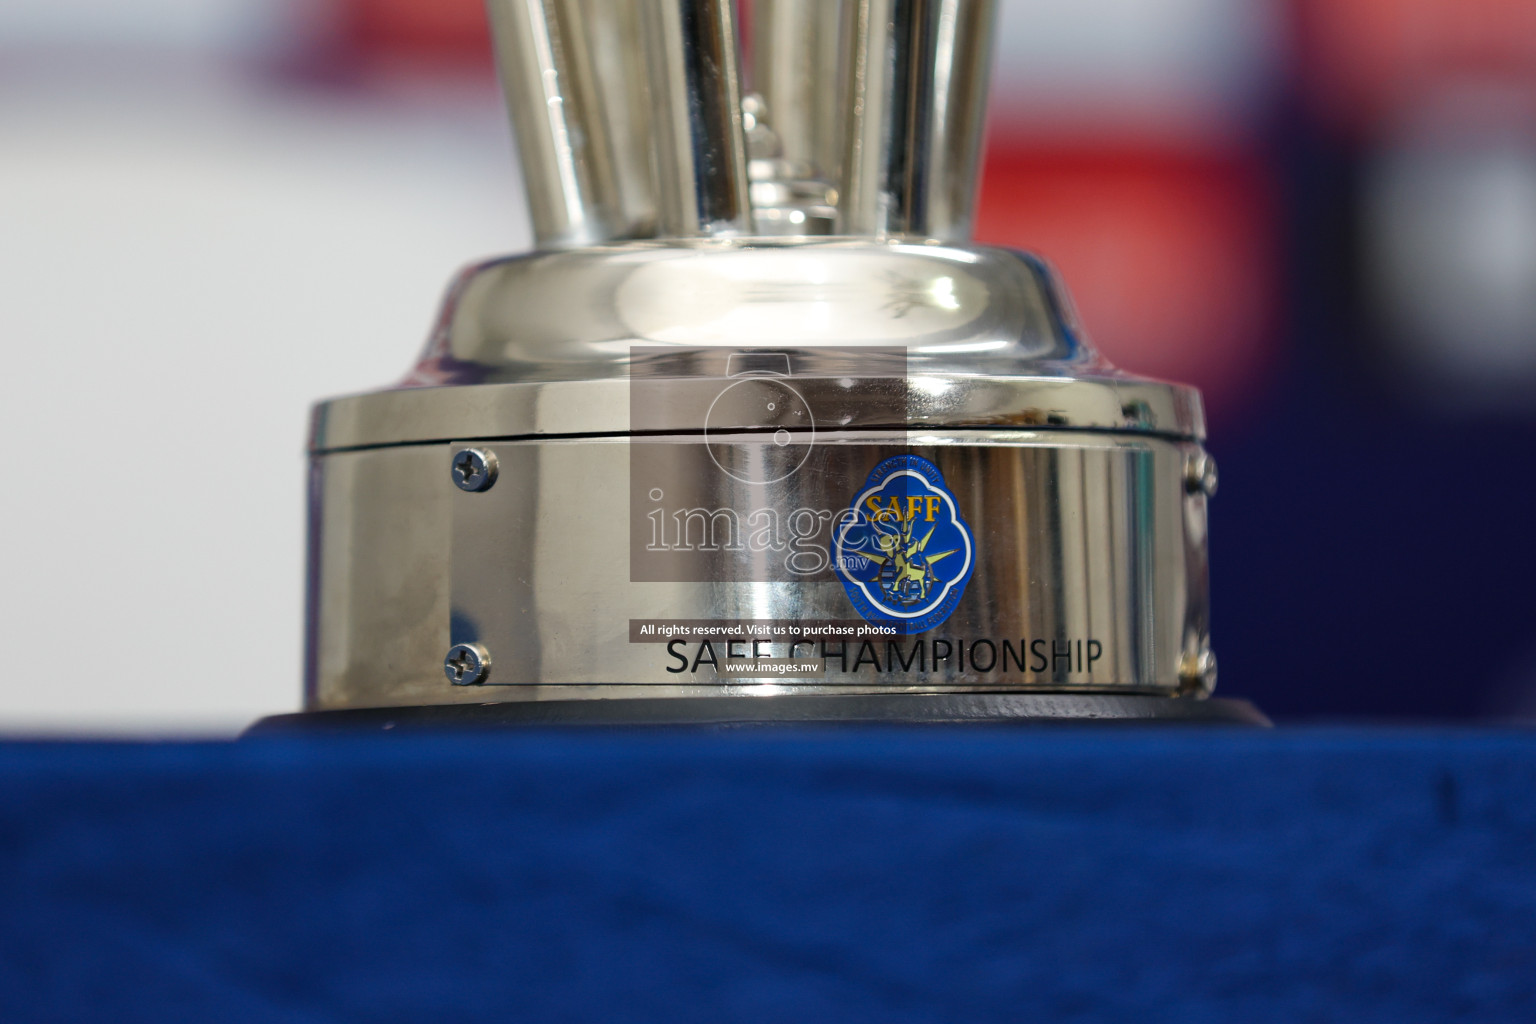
(550, 344)
(601, 408)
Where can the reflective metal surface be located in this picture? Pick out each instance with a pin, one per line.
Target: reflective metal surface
(619, 66)
(674, 417)
(797, 66)
(575, 315)
(632, 121)
(962, 65)
(566, 408)
(552, 340)
(1091, 575)
(795, 136)
(701, 154)
(915, 106)
(562, 138)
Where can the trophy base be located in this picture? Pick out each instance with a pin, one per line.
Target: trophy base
(1089, 489)
(784, 710)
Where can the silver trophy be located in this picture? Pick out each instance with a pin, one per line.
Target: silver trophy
(756, 433)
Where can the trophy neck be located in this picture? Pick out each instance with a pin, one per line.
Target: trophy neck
(635, 119)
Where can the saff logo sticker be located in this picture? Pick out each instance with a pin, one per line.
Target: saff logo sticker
(902, 550)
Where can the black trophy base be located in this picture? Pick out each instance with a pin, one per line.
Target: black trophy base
(783, 710)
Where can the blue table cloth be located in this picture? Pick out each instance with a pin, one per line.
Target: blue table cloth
(928, 874)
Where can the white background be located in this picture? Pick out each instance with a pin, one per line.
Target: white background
(186, 263)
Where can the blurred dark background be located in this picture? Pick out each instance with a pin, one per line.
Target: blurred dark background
(1322, 212)
(1338, 244)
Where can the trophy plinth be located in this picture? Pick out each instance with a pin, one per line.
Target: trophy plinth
(755, 434)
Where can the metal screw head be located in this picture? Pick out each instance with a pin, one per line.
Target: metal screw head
(1197, 673)
(1200, 475)
(467, 664)
(474, 469)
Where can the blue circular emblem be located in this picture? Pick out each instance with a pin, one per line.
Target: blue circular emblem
(902, 550)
